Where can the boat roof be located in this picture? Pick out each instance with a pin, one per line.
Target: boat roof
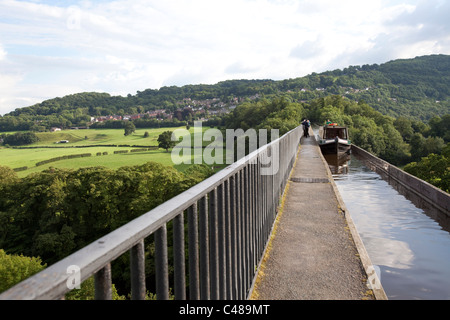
(334, 127)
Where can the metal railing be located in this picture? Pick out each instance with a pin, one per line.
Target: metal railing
(229, 219)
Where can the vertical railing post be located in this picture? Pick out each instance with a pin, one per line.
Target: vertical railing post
(257, 206)
(260, 206)
(239, 233)
(252, 219)
(204, 250)
(253, 216)
(137, 265)
(233, 238)
(194, 280)
(103, 283)
(179, 257)
(265, 210)
(247, 227)
(213, 245)
(161, 264)
(243, 248)
(221, 221)
(272, 189)
(228, 243)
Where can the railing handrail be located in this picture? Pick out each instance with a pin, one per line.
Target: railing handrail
(51, 283)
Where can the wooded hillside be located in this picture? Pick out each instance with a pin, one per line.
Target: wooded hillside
(417, 88)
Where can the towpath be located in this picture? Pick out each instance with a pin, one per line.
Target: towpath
(312, 254)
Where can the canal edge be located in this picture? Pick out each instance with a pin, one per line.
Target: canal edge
(374, 282)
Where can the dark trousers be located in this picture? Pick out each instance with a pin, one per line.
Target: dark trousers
(306, 131)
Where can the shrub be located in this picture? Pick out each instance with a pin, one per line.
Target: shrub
(72, 156)
(15, 268)
(20, 138)
(87, 292)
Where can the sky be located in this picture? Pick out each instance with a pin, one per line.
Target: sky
(54, 48)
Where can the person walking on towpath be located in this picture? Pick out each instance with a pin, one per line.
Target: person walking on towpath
(306, 124)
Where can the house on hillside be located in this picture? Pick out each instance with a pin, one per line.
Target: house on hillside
(107, 118)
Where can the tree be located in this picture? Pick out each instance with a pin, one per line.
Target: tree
(129, 128)
(15, 268)
(52, 213)
(440, 127)
(433, 169)
(7, 175)
(417, 144)
(404, 126)
(20, 138)
(165, 140)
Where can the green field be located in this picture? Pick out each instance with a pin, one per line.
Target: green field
(100, 136)
(88, 141)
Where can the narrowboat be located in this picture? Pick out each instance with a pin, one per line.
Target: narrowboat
(333, 139)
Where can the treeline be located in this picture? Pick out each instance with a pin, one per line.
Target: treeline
(430, 150)
(139, 123)
(278, 113)
(415, 88)
(77, 109)
(396, 140)
(368, 128)
(433, 168)
(53, 213)
(70, 156)
(400, 141)
(18, 138)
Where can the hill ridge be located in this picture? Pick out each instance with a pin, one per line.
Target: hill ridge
(417, 88)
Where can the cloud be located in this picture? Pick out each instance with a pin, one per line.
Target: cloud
(2, 53)
(307, 50)
(124, 46)
(406, 32)
(240, 67)
(428, 22)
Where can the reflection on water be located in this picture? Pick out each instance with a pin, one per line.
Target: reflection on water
(410, 248)
(338, 163)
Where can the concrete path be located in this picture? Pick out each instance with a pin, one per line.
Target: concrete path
(312, 254)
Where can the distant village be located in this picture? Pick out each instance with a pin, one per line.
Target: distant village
(198, 109)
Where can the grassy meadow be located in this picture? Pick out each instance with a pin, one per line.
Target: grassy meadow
(90, 141)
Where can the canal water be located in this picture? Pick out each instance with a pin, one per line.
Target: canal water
(409, 250)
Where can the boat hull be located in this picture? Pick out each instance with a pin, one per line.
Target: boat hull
(335, 146)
